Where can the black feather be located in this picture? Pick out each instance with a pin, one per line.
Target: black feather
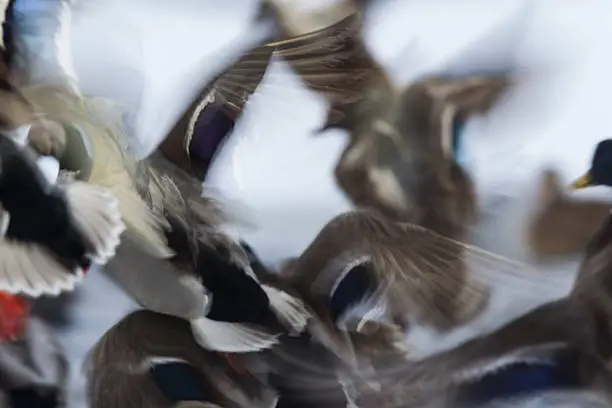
(601, 165)
(29, 397)
(236, 297)
(39, 212)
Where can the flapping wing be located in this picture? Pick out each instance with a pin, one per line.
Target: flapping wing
(28, 269)
(332, 61)
(434, 105)
(470, 94)
(420, 269)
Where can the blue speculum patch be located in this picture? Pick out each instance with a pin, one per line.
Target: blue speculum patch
(458, 130)
(519, 379)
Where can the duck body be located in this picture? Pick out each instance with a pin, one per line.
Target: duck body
(168, 368)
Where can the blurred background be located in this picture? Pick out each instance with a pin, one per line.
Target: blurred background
(146, 54)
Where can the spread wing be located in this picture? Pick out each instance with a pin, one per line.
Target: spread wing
(332, 61)
(335, 63)
(419, 269)
(29, 269)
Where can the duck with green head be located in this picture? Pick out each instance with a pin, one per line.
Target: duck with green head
(600, 172)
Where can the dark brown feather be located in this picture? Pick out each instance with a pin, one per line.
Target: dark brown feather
(426, 278)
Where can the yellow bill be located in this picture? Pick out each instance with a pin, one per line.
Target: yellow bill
(582, 182)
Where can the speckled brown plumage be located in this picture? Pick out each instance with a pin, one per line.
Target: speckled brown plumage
(118, 368)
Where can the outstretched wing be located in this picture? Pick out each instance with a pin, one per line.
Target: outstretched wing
(332, 61)
(335, 63)
(442, 280)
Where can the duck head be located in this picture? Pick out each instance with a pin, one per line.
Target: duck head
(600, 173)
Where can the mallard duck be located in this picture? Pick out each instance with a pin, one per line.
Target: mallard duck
(404, 147)
(33, 369)
(170, 227)
(562, 225)
(207, 274)
(369, 279)
(577, 324)
(562, 346)
(152, 360)
(296, 19)
(405, 161)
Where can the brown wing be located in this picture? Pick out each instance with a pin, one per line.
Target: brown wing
(333, 62)
(442, 279)
(325, 60)
(229, 91)
(471, 94)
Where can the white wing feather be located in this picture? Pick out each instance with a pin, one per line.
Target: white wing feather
(27, 269)
(96, 213)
